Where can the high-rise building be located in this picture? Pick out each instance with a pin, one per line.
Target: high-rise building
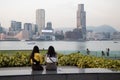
(15, 26)
(1, 29)
(40, 19)
(49, 25)
(34, 29)
(28, 28)
(81, 20)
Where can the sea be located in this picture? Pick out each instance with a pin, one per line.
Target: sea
(65, 46)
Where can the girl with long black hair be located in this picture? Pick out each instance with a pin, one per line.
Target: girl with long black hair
(36, 59)
(51, 59)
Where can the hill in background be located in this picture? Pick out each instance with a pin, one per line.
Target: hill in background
(102, 28)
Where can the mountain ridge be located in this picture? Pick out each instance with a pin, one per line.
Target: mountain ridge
(101, 28)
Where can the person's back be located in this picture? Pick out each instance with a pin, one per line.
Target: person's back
(103, 54)
(51, 59)
(36, 59)
(51, 63)
(88, 52)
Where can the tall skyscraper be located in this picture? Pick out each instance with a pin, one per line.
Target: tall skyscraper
(40, 19)
(81, 20)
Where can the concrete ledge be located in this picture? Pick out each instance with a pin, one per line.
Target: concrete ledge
(81, 76)
(62, 73)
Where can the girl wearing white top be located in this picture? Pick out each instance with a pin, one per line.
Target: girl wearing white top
(51, 59)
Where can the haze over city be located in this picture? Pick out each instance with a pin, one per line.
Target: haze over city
(62, 13)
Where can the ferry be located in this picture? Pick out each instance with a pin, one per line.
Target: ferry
(23, 40)
(115, 42)
(31, 43)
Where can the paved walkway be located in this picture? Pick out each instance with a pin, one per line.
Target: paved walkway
(60, 70)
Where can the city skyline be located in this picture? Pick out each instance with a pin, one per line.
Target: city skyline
(61, 13)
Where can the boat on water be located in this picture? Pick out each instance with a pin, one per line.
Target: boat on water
(22, 40)
(31, 43)
(115, 42)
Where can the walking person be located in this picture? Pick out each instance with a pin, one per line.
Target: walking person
(36, 59)
(108, 50)
(88, 51)
(103, 54)
(51, 59)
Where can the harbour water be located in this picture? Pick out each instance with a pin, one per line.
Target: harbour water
(61, 45)
(64, 46)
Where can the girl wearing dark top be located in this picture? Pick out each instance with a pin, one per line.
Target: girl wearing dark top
(36, 59)
(51, 59)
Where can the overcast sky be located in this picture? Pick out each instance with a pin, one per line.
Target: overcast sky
(62, 13)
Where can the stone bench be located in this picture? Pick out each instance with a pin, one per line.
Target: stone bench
(62, 73)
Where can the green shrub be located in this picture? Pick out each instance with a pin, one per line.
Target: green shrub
(21, 59)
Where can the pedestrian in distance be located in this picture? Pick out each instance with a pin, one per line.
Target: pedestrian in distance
(88, 51)
(103, 54)
(108, 51)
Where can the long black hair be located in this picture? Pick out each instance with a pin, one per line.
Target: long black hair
(51, 52)
(35, 50)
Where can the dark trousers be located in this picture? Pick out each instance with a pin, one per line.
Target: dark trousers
(37, 67)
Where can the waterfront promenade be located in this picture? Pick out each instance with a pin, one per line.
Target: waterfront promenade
(62, 73)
